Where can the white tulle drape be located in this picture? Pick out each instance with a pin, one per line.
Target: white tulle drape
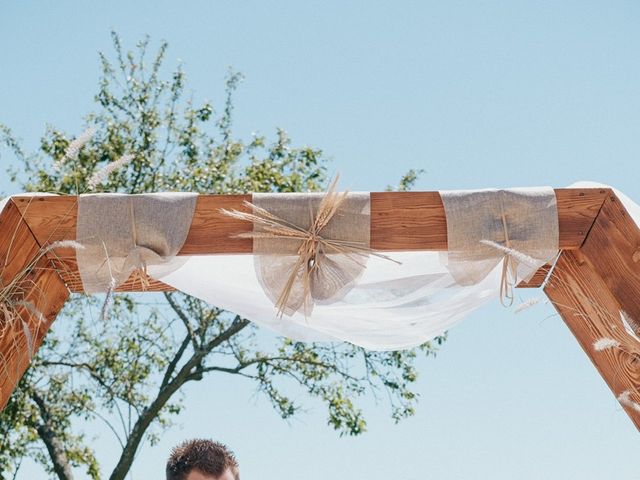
(392, 306)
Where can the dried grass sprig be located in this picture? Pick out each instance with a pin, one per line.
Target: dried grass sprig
(512, 252)
(18, 312)
(313, 244)
(63, 244)
(13, 306)
(530, 302)
(605, 343)
(628, 323)
(509, 276)
(103, 174)
(74, 147)
(108, 301)
(625, 399)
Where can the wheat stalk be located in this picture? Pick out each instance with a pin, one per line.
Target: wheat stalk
(313, 245)
(527, 304)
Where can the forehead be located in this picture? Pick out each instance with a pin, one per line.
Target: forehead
(198, 475)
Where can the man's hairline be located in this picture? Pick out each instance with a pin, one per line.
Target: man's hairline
(210, 476)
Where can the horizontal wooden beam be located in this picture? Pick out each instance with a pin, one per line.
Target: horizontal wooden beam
(400, 221)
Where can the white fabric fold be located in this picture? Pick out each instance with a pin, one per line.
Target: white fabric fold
(391, 307)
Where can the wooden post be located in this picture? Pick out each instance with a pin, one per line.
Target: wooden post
(593, 288)
(34, 302)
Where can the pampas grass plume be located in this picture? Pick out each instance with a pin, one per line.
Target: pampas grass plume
(29, 337)
(625, 399)
(74, 147)
(108, 301)
(63, 244)
(605, 343)
(102, 174)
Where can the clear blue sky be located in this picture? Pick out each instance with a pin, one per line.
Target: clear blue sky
(477, 93)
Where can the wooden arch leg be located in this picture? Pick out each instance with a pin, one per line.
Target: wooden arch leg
(34, 301)
(590, 288)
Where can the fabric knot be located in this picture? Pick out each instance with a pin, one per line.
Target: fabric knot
(125, 234)
(308, 248)
(518, 227)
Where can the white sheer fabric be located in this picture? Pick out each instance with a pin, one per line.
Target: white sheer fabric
(392, 306)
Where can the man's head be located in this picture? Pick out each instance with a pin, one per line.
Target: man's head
(202, 460)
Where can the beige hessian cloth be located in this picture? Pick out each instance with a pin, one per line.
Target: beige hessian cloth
(122, 233)
(275, 258)
(524, 219)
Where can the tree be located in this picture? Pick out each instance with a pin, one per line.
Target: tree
(128, 371)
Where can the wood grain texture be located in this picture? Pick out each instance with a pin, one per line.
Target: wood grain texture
(53, 218)
(538, 278)
(407, 221)
(592, 312)
(40, 289)
(17, 245)
(399, 220)
(610, 248)
(64, 261)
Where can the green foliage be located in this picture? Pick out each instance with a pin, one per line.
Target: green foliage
(128, 372)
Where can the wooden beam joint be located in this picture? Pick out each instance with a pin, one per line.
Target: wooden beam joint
(596, 290)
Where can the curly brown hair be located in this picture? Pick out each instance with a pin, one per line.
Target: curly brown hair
(208, 457)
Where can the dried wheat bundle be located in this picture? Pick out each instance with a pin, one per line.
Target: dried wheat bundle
(314, 248)
(20, 319)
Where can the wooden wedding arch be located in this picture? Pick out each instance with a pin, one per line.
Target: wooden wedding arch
(595, 278)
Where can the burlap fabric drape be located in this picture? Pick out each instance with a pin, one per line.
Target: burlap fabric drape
(332, 273)
(124, 233)
(524, 220)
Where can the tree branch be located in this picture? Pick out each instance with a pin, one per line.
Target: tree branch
(164, 394)
(174, 362)
(182, 316)
(61, 465)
